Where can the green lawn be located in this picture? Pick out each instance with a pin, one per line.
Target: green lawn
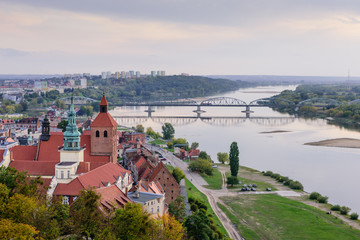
(169, 167)
(158, 142)
(192, 191)
(214, 181)
(271, 216)
(260, 186)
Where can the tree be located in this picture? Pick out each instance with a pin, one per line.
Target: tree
(177, 208)
(202, 166)
(198, 226)
(11, 230)
(62, 125)
(60, 104)
(139, 128)
(194, 145)
(170, 228)
(85, 214)
(223, 157)
(232, 180)
(178, 174)
(132, 223)
(168, 131)
(204, 155)
(234, 159)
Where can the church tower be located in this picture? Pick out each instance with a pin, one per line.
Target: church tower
(72, 134)
(103, 133)
(45, 129)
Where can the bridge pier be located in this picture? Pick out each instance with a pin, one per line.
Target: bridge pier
(149, 110)
(247, 111)
(198, 111)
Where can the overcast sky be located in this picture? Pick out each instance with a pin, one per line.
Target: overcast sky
(253, 37)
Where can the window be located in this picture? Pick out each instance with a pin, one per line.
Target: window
(158, 209)
(97, 134)
(75, 144)
(68, 174)
(62, 174)
(65, 200)
(105, 133)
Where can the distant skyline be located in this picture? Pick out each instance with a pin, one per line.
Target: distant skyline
(199, 37)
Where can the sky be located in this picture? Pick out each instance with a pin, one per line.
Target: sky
(200, 37)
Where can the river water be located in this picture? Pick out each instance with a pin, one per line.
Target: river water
(332, 171)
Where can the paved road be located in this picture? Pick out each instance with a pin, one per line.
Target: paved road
(198, 181)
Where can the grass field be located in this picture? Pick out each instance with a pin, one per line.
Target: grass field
(260, 186)
(192, 191)
(214, 181)
(158, 142)
(270, 216)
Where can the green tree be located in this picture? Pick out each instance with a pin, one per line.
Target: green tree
(223, 157)
(139, 128)
(178, 174)
(11, 230)
(132, 223)
(198, 226)
(201, 165)
(232, 180)
(60, 104)
(86, 217)
(204, 155)
(62, 125)
(234, 159)
(194, 145)
(168, 131)
(177, 208)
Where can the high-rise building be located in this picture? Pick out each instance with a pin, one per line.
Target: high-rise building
(72, 82)
(138, 75)
(103, 75)
(132, 75)
(123, 74)
(83, 83)
(117, 75)
(162, 73)
(153, 73)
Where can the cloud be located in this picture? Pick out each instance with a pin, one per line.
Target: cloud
(10, 52)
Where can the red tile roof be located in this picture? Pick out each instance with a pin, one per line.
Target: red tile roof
(104, 119)
(103, 101)
(112, 197)
(23, 153)
(49, 150)
(194, 153)
(99, 177)
(158, 168)
(35, 168)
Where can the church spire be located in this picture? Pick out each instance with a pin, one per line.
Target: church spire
(45, 129)
(72, 134)
(103, 104)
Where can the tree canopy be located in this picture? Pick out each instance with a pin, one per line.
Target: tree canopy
(234, 159)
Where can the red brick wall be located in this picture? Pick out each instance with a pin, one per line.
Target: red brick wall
(104, 145)
(169, 184)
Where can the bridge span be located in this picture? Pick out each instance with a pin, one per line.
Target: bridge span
(215, 121)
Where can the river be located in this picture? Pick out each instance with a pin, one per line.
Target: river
(329, 170)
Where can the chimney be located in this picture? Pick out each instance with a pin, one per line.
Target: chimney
(87, 166)
(138, 146)
(126, 191)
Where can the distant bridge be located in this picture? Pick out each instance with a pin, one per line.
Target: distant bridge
(78, 100)
(215, 121)
(234, 102)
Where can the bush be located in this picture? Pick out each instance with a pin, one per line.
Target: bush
(276, 176)
(288, 182)
(296, 185)
(335, 207)
(268, 173)
(314, 196)
(344, 210)
(354, 216)
(283, 179)
(322, 199)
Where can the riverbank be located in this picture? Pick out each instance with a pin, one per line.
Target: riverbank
(337, 142)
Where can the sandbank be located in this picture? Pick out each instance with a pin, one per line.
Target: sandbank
(337, 142)
(276, 131)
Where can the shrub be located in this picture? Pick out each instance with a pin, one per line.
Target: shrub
(283, 179)
(296, 185)
(288, 182)
(335, 207)
(314, 195)
(344, 210)
(268, 173)
(276, 176)
(354, 216)
(322, 199)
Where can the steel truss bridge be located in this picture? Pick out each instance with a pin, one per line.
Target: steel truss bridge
(233, 102)
(215, 121)
(78, 100)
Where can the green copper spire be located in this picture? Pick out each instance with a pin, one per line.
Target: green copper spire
(72, 134)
